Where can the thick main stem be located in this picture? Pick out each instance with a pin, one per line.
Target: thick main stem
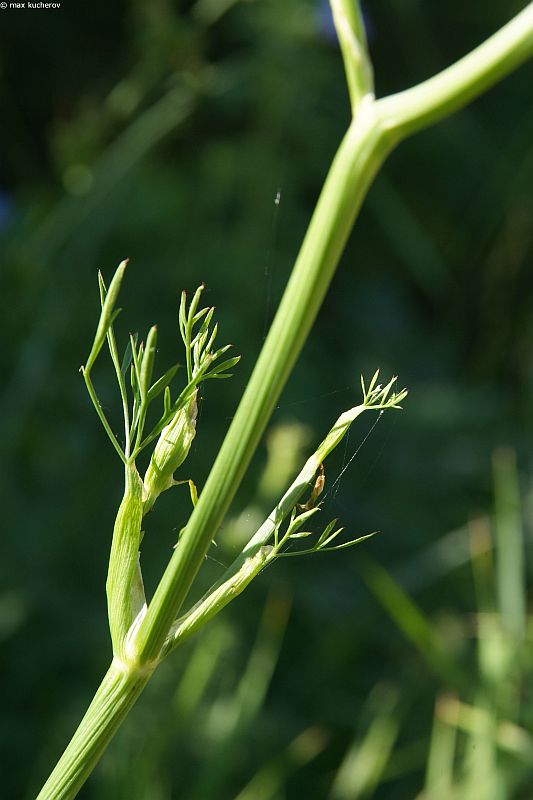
(377, 127)
(116, 694)
(361, 153)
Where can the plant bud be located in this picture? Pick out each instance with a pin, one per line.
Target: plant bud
(170, 452)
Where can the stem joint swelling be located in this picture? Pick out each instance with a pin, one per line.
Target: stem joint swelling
(132, 670)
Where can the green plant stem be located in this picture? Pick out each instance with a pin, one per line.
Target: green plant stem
(116, 695)
(362, 151)
(101, 415)
(225, 590)
(352, 39)
(123, 562)
(257, 553)
(428, 102)
(376, 128)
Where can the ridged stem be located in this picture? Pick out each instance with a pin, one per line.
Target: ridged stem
(361, 153)
(116, 695)
(376, 128)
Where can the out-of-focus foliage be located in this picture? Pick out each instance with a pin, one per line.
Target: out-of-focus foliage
(193, 137)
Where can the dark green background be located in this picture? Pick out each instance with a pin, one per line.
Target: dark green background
(149, 130)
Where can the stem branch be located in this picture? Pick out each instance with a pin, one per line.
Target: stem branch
(361, 153)
(352, 39)
(378, 126)
(428, 102)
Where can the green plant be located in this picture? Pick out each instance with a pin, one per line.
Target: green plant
(142, 634)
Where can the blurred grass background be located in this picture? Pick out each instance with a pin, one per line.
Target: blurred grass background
(165, 132)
